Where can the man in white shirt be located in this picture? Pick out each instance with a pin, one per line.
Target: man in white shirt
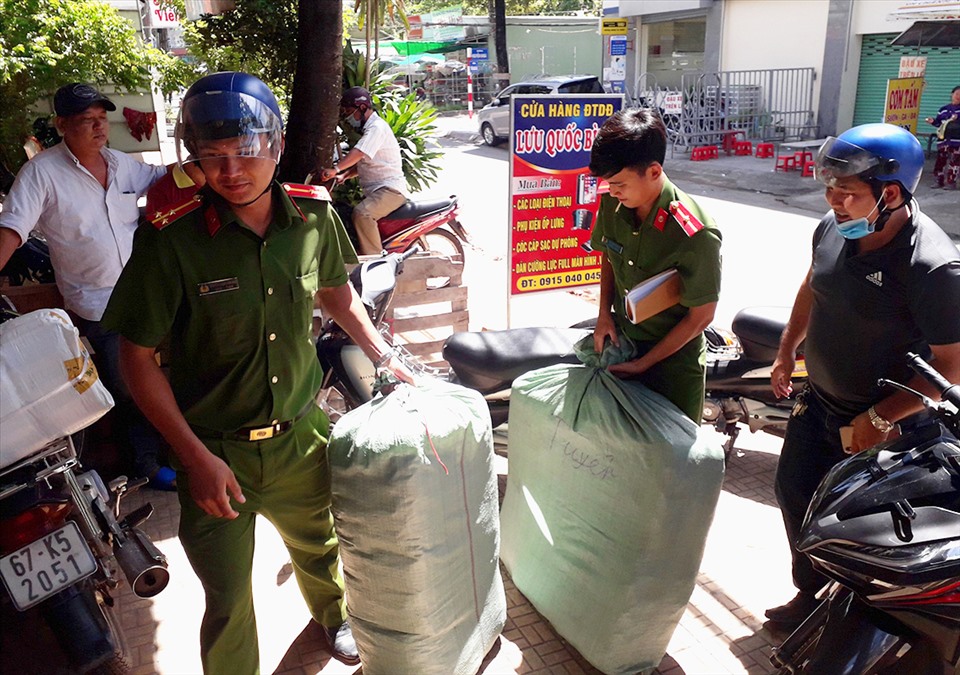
(82, 197)
(375, 160)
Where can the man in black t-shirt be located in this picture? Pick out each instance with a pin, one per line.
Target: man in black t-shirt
(885, 280)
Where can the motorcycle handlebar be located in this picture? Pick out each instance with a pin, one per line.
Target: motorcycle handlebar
(948, 391)
(413, 250)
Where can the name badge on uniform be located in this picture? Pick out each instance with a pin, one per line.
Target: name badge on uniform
(218, 286)
(612, 245)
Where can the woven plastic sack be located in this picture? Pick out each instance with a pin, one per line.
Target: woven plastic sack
(49, 386)
(610, 494)
(415, 503)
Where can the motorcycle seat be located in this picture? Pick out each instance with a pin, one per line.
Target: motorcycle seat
(418, 209)
(759, 330)
(489, 361)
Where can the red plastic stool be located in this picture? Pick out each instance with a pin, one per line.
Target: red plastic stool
(743, 148)
(786, 163)
(808, 167)
(764, 149)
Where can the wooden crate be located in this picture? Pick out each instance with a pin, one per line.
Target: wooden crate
(430, 305)
(30, 297)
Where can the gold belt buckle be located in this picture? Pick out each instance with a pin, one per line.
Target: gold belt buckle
(262, 434)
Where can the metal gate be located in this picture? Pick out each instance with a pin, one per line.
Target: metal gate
(760, 104)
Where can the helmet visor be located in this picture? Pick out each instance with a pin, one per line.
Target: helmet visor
(839, 159)
(221, 124)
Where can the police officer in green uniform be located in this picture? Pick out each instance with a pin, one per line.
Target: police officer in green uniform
(230, 276)
(645, 226)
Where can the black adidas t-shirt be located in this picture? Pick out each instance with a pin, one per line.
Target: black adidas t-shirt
(870, 309)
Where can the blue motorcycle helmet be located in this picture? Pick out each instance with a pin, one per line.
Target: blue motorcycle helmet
(224, 106)
(876, 153)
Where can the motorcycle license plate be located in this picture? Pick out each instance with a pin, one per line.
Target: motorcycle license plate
(46, 566)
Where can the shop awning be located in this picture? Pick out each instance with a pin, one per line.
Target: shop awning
(412, 47)
(930, 34)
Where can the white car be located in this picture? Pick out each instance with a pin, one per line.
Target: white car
(494, 117)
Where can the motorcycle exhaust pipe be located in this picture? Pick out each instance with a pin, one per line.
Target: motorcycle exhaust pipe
(144, 566)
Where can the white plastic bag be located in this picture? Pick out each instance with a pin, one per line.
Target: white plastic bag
(48, 384)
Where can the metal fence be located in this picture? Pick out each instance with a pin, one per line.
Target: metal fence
(448, 91)
(762, 105)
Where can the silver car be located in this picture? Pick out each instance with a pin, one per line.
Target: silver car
(494, 118)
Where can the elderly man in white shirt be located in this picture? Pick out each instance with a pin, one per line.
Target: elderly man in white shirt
(82, 197)
(375, 160)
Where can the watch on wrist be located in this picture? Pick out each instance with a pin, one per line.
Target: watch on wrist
(880, 423)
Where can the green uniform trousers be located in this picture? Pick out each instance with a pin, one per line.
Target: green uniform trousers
(680, 377)
(287, 480)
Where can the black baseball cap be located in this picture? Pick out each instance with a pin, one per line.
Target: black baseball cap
(73, 99)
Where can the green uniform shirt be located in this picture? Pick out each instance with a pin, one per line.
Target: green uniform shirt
(238, 308)
(638, 251)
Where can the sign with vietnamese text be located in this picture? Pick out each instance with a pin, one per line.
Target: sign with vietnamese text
(162, 15)
(912, 66)
(553, 197)
(613, 26)
(902, 106)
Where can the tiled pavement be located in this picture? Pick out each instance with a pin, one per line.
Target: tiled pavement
(745, 569)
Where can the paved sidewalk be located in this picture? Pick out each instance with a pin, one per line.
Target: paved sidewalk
(744, 570)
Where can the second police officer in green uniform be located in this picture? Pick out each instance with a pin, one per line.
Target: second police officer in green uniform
(646, 226)
(230, 276)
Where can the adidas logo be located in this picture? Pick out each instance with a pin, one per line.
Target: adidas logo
(876, 278)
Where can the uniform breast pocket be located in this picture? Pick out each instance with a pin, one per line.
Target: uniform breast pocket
(304, 286)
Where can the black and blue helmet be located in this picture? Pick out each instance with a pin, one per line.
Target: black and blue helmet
(229, 105)
(873, 152)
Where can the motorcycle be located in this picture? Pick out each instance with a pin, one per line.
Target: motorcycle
(738, 363)
(884, 525)
(64, 550)
(432, 225)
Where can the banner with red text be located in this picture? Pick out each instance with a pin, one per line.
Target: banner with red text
(553, 197)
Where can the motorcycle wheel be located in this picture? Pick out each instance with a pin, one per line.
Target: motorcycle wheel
(442, 241)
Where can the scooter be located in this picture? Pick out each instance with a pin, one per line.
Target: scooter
(884, 525)
(64, 548)
(739, 364)
(738, 373)
(432, 225)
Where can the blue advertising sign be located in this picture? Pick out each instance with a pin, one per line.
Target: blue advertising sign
(618, 45)
(480, 53)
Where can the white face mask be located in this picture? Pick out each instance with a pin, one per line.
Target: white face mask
(354, 122)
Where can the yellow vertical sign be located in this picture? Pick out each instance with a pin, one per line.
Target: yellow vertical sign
(613, 26)
(902, 105)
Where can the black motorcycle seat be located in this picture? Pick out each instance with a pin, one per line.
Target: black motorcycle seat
(489, 361)
(418, 209)
(759, 330)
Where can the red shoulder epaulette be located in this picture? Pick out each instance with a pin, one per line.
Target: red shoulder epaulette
(161, 219)
(689, 222)
(309, 191)
(660, 220)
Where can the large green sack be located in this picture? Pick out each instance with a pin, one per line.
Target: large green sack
(415, 505)
(610, 494)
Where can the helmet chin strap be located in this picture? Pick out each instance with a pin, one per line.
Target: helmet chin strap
(885, 214)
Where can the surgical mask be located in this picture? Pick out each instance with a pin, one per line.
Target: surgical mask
(354, 122)
(858, 227)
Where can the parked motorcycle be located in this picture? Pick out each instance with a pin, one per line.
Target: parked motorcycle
(738, 371)
(64, 550)
(432, 225)
(739, 364)
(884, 525)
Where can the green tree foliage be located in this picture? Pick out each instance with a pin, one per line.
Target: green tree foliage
(514, 7)
(48, 43)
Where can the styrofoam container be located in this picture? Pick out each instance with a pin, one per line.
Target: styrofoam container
(49, 386)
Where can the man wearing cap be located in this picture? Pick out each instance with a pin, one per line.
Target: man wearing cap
(375, 160)
(82, 197)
